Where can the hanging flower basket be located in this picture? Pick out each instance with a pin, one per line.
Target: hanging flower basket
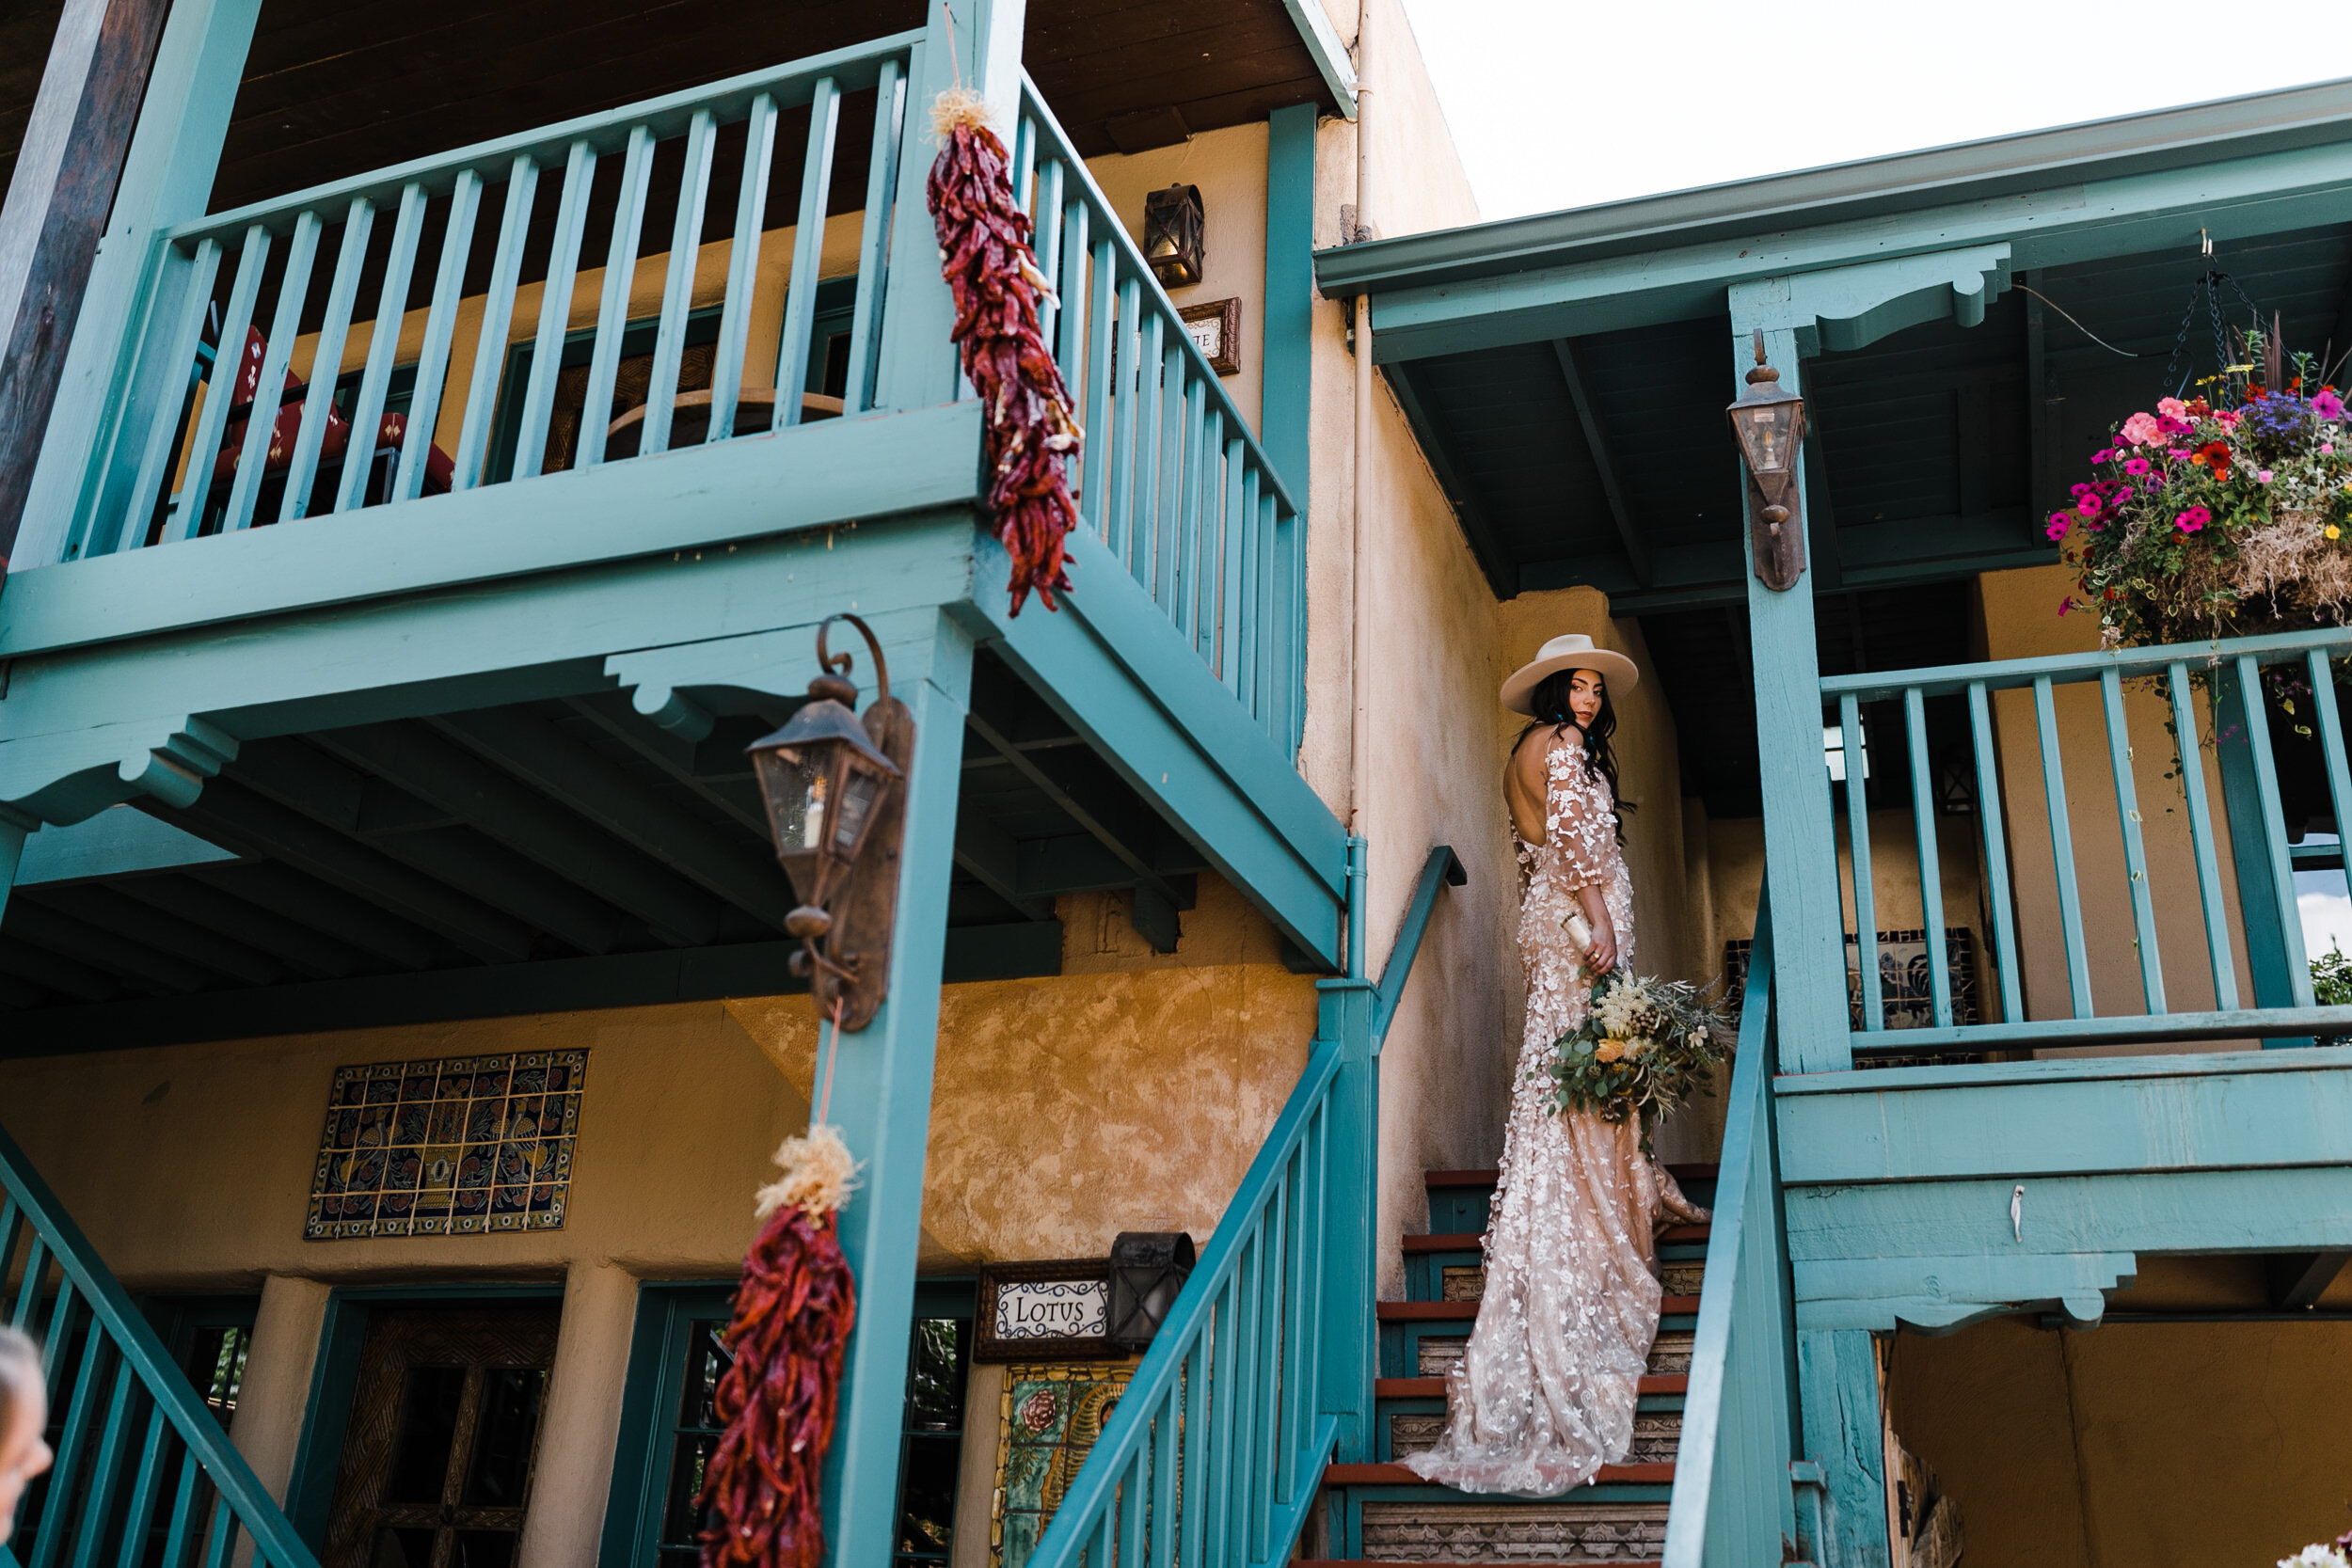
(2203, 521)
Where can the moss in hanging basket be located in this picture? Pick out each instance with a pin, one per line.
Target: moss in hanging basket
(2200, 522)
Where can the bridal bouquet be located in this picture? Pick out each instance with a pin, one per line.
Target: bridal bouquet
(1646, 1046)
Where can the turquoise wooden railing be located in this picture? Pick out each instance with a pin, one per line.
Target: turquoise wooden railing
(1172, 479)
(171, 462)
(1263, 1367)
(2256, 847)
(145, 1474)
(1732, 1504)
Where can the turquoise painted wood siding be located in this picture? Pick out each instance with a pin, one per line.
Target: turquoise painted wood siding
(145, 1472)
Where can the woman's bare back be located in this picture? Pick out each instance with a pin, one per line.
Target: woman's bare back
(1524, 779)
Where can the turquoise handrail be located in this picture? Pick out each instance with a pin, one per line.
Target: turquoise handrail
(1172, 477)
(152, 471)
(2234, 672)
(1732, 1504)
(1262, 1368)
(140, 1455)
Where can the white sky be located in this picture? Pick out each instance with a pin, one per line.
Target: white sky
(1564, 102)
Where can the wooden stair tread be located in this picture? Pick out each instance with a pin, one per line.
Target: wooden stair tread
(1434, 1387)
(1471, 1241)
(1465, 1311)
(1486, 1177)
(1397, 1475)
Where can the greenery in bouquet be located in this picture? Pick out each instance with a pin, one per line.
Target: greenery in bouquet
(2220, 518)
(1646, 1047)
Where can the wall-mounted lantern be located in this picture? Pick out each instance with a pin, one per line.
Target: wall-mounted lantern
(836, 810)
(1175, 236)
(1768, 421)
(1148, 1272)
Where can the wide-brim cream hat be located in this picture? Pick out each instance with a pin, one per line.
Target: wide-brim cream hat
(1574, 651)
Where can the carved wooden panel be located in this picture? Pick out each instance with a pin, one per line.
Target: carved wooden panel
(444, 1430)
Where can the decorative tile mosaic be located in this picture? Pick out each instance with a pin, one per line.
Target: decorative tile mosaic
(453, 1147)
(1050, 1419)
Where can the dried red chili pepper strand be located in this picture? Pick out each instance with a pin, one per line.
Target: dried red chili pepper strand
(1031, 431)
(793, 1315)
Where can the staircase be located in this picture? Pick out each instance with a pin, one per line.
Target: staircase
(1382, 1511)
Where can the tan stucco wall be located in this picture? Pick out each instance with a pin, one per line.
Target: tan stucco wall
(2136, 1446)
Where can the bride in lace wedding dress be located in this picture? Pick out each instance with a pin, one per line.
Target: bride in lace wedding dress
(1544, 1396)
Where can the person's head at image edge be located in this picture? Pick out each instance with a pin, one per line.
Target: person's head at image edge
(1568, 683)
(24, 1416)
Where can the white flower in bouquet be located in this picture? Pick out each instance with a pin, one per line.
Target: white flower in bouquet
(2318, 1555)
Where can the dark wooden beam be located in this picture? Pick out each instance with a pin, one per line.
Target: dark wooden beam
(59, 198)
(2298, 1279)
(1572, 372)
(1014, 951)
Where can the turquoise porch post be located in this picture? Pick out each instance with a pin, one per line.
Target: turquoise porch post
(1349, 1349)
(1838, 1385)
(1799, 858)
(881, 1102)
(166, 178)
(972, 43)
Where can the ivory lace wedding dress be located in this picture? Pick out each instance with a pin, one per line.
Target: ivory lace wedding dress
(1544, 1396)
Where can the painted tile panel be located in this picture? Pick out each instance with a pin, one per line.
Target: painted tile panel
(462, 1145)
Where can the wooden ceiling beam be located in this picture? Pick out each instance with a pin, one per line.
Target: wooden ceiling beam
(1572, 371)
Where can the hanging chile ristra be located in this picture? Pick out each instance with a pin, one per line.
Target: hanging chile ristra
(793, 1313)
(985, 255)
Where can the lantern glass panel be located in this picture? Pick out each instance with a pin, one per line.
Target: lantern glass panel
(861, 787)
(1768, 433)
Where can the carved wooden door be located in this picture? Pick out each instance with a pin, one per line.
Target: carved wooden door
(444, 1427)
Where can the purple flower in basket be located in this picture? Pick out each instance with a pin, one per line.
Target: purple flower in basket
(2192, 519)
(2137, 466)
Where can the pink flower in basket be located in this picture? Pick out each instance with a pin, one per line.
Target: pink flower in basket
(2192, 519)
(2173, 408)
(2058, 521)
(2141, 429)
(2327, 404)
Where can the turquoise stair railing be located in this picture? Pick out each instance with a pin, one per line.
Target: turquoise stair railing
(1173, 485)
(145, 1474)
(2070, 860)
(1263, 1367)
(238, 291)
(1733, 1505)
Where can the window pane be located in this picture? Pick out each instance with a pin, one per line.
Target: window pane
(401, 1549)
(935, 1378)
(707, 1361)
(503, 1437)
(216, 1365)
(681, 1519)
(926, 1496)
(428, 1430)
(484, 1549)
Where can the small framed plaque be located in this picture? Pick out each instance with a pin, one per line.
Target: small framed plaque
(1215, 327)
(1044, 1311)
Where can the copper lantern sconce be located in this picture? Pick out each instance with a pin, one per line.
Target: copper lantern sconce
(834, 785)
(1768, 421)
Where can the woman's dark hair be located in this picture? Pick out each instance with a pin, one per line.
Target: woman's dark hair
(1551, 703)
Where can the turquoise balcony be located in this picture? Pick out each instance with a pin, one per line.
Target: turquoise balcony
(455, 460)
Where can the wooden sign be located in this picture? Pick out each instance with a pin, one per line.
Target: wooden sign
(1044, 1311)
(1215, 327)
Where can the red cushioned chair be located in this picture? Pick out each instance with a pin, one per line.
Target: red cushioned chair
(391, 430)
